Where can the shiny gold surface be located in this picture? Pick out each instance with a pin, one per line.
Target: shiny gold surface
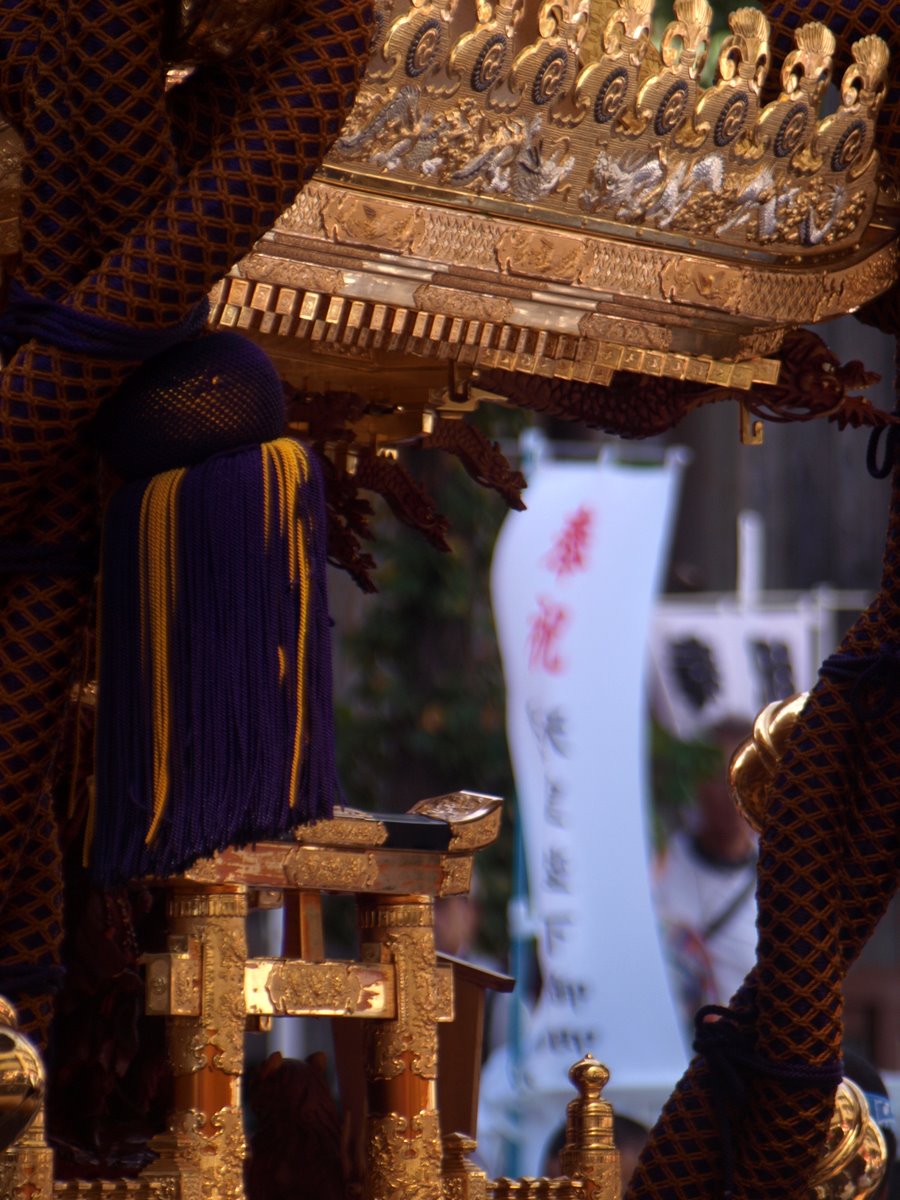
(400, 930)
(474, 819)
(26, 1170)
(402, 1127)
(403, 1157)
(324, 989)
(855, 1158)
(22, 1079)
(511, 193)
(590, 1154)
(349, 854)
(589, 1157)
(173, 980)
(209, 988)
(463, 1179)
(213, 1039)
(497, 116)
(755, 762)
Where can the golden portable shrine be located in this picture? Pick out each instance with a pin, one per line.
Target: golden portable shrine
(412, 209)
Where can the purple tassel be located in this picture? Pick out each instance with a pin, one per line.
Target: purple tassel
(232, 662)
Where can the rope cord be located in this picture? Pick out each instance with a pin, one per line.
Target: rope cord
(117, 224)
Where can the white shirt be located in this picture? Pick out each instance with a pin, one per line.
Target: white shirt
(707, 915)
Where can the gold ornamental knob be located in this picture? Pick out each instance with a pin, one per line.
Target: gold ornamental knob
(21, 1079)
(755, 762)
(855, 1158)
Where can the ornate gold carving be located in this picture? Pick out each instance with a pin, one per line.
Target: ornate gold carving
(474, 819)
(224, 956)
(538, 252)
(225, 1181)
(348, 827)
(404, 1157)
(206, 904)
(331, 869)
(759, 345)
(400, 917)
(463, 1180)
(697, 281)
(408, 1043)
(26, 1170)
(173, 980)
(203, 1154)
(372, 221)
(457, 252)
(328, 989)
(123, 1189)
(216, 1035)
(590, 1153)
(613, 143)
(456, 302)
(457, 876)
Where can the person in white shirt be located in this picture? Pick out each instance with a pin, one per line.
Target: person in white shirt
(705, 892)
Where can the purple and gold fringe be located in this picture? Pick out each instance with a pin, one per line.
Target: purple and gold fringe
(215, 725)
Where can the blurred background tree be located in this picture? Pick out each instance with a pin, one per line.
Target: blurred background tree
(420, 704)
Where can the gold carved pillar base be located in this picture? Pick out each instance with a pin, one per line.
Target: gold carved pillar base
(403, 1131)
(26, 1171)
(205, 1145)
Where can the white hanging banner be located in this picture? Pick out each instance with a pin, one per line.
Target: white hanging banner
(574, 580)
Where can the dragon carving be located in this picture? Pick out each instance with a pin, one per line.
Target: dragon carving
(813, 384)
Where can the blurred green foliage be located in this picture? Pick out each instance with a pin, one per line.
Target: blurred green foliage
(425, 711)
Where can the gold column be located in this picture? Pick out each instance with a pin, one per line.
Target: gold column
(403, 1135)
(590, 1153)
(205, 1145)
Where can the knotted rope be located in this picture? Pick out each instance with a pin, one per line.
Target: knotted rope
(134, 204)
(829, 865)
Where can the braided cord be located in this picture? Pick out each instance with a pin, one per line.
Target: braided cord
(152, 251)
(829, 865)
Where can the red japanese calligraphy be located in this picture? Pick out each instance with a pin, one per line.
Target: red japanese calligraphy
(569, 552)
(546, 628)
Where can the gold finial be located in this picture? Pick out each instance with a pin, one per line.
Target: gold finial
(590, 1077)
(745, 53)
(808, 68)
(691, 26)
(865, 80)
(629, 23)
(590, 1152)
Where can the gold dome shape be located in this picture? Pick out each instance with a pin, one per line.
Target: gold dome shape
(22, 1079)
